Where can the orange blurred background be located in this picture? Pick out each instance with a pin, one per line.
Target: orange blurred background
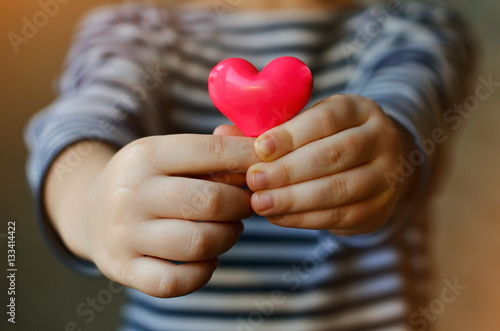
(466, 209)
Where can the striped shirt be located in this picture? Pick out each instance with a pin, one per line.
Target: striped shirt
(136, 70)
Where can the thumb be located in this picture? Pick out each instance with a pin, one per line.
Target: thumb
(228, 130)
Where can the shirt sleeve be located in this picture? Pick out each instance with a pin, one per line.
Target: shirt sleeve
(110, 91)
(414, 60)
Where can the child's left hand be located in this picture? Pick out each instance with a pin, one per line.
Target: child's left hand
(327, 167)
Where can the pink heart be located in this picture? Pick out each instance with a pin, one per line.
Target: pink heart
(258, 101)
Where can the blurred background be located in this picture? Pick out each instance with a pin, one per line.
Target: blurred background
(466, 210)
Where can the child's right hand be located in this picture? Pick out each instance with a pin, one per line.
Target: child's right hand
(141, 210)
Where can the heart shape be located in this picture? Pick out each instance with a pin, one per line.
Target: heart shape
(258, 101)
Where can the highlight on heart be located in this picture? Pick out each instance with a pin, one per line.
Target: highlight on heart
(258, 101)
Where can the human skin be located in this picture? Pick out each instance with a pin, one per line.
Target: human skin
(132, 210)
(326, 168)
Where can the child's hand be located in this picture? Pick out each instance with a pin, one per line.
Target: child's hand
(142, 207)
(325, 169)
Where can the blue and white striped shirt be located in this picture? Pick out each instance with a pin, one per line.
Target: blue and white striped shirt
(137, 70)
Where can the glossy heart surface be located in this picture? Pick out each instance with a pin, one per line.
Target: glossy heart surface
(258, 101)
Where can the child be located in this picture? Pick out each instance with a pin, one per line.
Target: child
(128, 177)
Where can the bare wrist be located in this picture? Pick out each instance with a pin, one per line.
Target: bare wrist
(66, 198)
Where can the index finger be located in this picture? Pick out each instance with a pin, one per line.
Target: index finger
(326, 118)
(192, 154)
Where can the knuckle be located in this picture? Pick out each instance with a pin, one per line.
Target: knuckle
(339, 98)
(186, 200)
(211, 201)
(140, 152)
(285, 201)
(333, 156)
(327, 119)
(122, 196)
(136, 150)
(198, 245)
(370, 104)
(343, 101)
(341, 188)
(168, 286)
(217, 147)
(287, 175)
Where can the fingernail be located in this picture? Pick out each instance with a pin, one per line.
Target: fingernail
(266, 146)
(265, 201)
(259, 180)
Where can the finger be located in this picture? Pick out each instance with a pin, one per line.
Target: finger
(323, 193)
(182, 240)
(188, 154)
(194, 199)
(328, 117)
(228, 130)
(164, 279)
(320, 158)
(356, 218)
